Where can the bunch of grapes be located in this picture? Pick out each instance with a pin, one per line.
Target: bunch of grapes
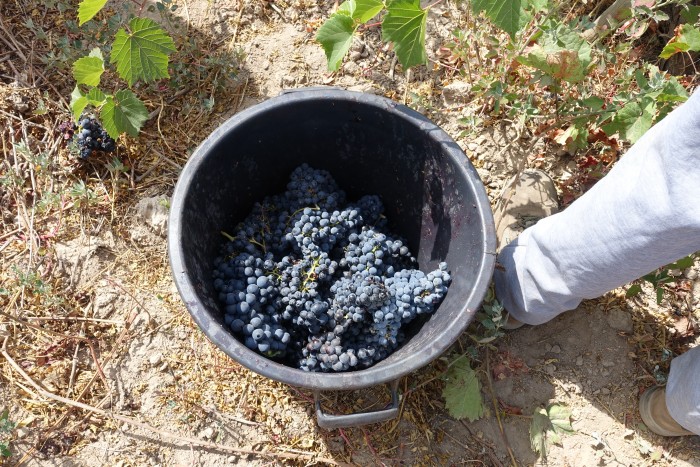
(90, 136)
(316, 283)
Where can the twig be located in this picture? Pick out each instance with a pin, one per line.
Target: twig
(238, 23)
(496, 410)
(76, 318)
(55, 333)
(184, 440)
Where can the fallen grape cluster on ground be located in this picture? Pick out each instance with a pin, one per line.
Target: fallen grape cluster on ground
(90, 136)
(316, 282)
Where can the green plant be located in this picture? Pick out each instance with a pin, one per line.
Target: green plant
(659, 278)
(462, 391)
(403, 24)
(6, 427)
(140, 52)
(547, 426)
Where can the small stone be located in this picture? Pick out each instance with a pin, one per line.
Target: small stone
(556, 349)
(485, 175)
(620, 320)
(155, 359)
(605, 373)
(457, 92)
(550, 369)
(579, 360)
(605, 391)
(207, 433)
(154, 213)
(607, 363)
(548, 347)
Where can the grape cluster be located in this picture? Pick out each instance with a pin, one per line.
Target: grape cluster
(314, 282)
(92, 137)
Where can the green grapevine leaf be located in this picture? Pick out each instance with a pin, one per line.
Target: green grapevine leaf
(547, 425)
(690, 13)
(365, 10)
(687, 38)
(88, 70)
(96, 97)
(123, 113)
(404, 25)
(87, 9)
(632, 120)
(335, 36)
(509, 15)
(462, 391)
(142, 53)
(78, 102)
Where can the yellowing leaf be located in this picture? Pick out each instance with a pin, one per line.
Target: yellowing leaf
(687, 38)
(547, 425)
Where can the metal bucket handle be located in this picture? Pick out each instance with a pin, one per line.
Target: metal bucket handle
(331, 422)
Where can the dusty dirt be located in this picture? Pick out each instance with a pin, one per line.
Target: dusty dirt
(165, 373)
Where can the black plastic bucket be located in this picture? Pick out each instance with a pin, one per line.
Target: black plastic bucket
(371, 145)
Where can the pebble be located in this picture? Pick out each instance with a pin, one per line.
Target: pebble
(456, 92)
(207, 433)
(550, 369)
(605, 391)
(607, 363)
(155, 359)
(484, 174)
(556, 349)
(579, 360)
(620, 320)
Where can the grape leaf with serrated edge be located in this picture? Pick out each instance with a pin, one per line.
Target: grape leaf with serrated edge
(123, 113)
(335, 36)
(88, 70)
(87, 9)
(142, 53)
(508, 15)
(547, 425)
(404, 25)
(462, 391)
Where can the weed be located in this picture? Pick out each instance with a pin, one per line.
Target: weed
(6, 427)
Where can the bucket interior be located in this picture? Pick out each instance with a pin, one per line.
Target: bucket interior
(432, 196)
